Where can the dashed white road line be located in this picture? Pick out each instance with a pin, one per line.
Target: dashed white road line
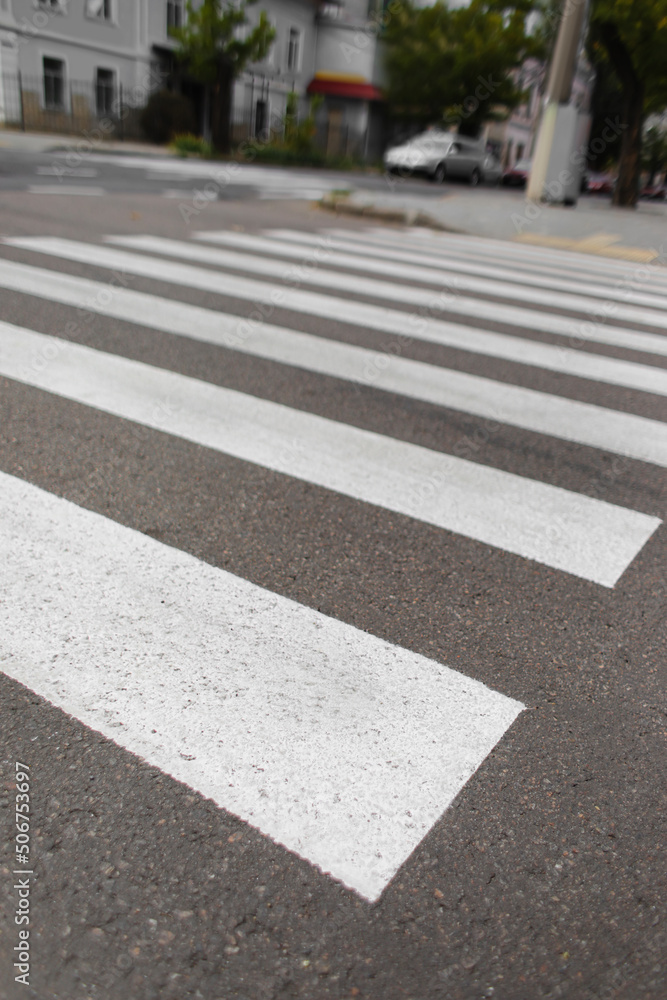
(67, 189)
(65, 171)
(182, 194)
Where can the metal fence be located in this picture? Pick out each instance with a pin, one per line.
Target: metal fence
(332, 137)
(51, 103)
(54, 104)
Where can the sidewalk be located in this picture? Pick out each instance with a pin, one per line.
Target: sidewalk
(49, 142)
(593, 226)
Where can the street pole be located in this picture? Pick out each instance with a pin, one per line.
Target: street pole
(559, 90)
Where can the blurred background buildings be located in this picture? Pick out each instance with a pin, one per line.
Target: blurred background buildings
(67, 65)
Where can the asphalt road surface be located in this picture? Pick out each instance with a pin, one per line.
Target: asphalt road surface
(81, 172)
(333, 619)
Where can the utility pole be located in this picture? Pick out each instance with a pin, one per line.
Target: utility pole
(554, 176)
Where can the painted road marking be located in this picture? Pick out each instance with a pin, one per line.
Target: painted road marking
(336, 744)
(354, 242)
(58, 171)
(600, 245)
(583, 423)
(67, 189)
(495, 248)
(394, 291)
(567, 531)
(183, 195)
(330, 255)
(413, 325)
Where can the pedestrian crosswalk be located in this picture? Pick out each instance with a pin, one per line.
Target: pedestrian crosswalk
(339, 745)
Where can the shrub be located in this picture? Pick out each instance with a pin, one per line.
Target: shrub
(167, 114)
(187, 144)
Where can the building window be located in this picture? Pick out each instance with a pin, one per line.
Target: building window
(54, 84)
(294, 49)
(101, 10)
(104, 91)
(174, 14)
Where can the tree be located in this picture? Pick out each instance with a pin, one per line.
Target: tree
(216, 48)
(632, 36)
(455, 67)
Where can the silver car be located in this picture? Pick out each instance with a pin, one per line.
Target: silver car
(442, 155)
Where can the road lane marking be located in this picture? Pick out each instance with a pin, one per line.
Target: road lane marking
(334, 743)
(183, 195)
(65, 171)
(583, 423)
(67, 189)
(566, 531)
(519, 350)
(411, 268)
(600, 245)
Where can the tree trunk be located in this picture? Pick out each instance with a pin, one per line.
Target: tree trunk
(627, 186)
(221, 108)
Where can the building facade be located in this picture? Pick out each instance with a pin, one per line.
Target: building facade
(65, 64)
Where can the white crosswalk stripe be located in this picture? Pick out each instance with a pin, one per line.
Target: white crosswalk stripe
(333, 697)
(404, 266)
(565, 530)
(562, 359)
(338, 745)
(313, 273)
(639, 277)
(525, 256)
(621, 433)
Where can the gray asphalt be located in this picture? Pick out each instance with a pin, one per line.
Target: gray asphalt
(20, 170)
(546, 877)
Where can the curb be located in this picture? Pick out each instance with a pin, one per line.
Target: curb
(406, 217)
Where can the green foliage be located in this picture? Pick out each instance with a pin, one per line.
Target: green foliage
(165, 115)
(455, 66)
(299, 135)
(187, 144)
(636, 31)
(631, 37)
(215, 32)
(278, 154)
(296, 147)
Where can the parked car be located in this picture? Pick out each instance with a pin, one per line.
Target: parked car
(441, 155)
(597, 183)
(517, 176)
(655, 192)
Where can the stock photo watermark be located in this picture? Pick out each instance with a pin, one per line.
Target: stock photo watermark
(23, 873)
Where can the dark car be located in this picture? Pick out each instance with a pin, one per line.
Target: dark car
(517, 176)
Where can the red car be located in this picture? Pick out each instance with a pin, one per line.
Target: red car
(517, 176)
(656, 192)
(600, 183)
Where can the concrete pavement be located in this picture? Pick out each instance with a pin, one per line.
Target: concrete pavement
(593, 226)
(49, 142)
